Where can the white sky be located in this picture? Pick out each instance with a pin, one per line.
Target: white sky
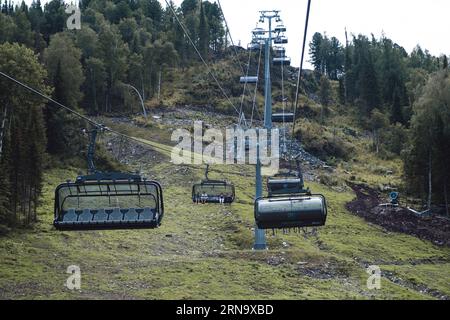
(407, 22)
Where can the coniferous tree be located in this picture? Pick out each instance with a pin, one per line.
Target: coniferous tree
(316, 52)
(426, 159)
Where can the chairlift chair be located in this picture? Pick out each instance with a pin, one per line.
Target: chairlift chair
(211, 191)
(280, 52)
(283, 117)
(289, 205)
(107, 200)
(258, 32)
(284, 61)
(255, 45)
(281, 40)
(284, 184)
(280, 28)
(294, 211)
(249, 79)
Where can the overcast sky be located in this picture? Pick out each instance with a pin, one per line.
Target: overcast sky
(407, 22)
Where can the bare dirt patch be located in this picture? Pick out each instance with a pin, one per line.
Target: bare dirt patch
(434, 228)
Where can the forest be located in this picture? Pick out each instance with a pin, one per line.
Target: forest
(401, 99)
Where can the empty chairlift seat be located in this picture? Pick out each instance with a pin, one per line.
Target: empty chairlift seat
(258, 32)
(282, 61)
(210, 191)
(283, 117)
(117, 202)
(290, 212)
(280, 28)
(69, 217)
(249, 79)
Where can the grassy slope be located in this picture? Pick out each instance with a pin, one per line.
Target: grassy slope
(202, 252)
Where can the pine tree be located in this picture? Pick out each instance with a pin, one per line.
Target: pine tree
(316, 52)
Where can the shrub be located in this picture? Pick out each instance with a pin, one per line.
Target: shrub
(324, 145)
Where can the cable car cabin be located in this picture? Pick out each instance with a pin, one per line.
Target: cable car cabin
(282, 61)
(284, 185)
(211, 191)
(290, 212)
(108, 201)
(283, 117)
(281, 40)
(250, 79)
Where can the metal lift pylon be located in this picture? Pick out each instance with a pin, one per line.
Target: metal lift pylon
(260, 236)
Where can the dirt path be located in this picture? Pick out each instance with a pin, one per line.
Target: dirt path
(435, 228)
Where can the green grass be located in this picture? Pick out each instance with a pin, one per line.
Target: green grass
(204, 251)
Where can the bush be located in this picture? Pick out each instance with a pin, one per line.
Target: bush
(324, 145)
(328, 180)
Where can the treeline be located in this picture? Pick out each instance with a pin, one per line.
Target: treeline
(23, 148)
(402, 98)
(121, 44)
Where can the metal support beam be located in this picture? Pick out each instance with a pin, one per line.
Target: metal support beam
(268, 83)
(260, 236)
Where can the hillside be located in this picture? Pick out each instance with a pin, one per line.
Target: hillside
(204, 251)
(372, 119)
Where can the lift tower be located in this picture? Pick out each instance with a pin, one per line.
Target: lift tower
(265, 36)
